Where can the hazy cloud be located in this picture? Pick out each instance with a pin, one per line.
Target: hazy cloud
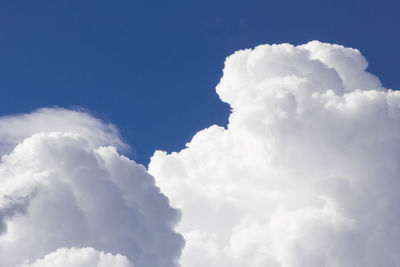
(15, 128)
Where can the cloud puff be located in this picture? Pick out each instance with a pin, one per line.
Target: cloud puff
(305, 174)
(82, 257)
(65, 185)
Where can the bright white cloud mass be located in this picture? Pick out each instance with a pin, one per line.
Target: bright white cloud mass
(305, 174)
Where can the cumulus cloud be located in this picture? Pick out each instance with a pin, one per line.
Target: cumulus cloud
(82, 257)
(64, 185)
(306, 172)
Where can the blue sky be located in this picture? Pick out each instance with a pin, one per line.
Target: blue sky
(151, 67)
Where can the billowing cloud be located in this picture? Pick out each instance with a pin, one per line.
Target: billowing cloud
(306, 173)
(82, 257)
(64, 185)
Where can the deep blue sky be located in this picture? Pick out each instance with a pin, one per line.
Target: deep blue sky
(151, 67)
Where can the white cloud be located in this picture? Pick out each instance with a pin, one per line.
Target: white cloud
(80, 257)
(307, 172)
(64, 185)
(15, 128)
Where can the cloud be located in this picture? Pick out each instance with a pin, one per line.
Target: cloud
(305, 174)
(64, 185)
(82, 257)
(15, 128)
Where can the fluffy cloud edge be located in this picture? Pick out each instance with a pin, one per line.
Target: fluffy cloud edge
(80, 257)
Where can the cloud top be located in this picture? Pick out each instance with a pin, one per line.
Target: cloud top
(15, 128)
(80, 257)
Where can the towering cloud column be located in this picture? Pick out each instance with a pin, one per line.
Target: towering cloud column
(68, 199)
(306, 173)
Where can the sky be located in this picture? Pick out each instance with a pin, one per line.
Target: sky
(151, 67)
(263, 134)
